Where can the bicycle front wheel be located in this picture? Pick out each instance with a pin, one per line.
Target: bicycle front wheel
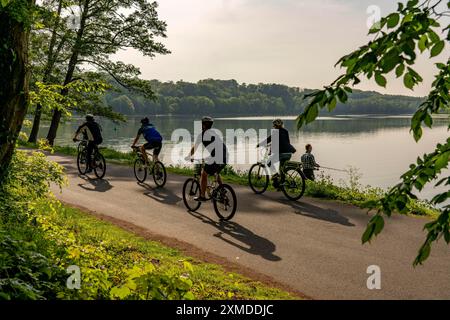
(159, 174)
(294, 184)
(191, 189)
(258, 178)
(100, 165)
(140, 171)
(225, 202)
(82, 163)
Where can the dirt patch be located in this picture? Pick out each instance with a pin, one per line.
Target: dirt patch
(193, 251)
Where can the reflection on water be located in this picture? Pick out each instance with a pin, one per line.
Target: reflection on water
(380, 147)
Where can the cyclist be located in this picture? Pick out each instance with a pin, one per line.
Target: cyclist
(92, 132)
(285, 149)
(153, 138)
(215, 162)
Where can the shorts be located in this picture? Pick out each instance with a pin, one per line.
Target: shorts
(309, 173)
(156, 145)
(212, 169)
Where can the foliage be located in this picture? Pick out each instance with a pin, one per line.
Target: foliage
(85, 97)
(412, 28)
(26, 272)
(223, 97)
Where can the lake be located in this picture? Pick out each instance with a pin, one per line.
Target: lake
(379, 147)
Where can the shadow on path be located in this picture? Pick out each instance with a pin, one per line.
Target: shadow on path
(99, 185)
(312, 211)
(162, 195)
(255, 244)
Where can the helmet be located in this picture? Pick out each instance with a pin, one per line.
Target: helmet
(207, 119)
(277, 122)
(145, 121)
(89, 117)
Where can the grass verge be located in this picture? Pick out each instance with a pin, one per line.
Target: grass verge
(209, 281)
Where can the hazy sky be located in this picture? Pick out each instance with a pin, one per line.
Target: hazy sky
(292, 42)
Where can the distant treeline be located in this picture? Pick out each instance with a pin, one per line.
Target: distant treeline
(227, 97)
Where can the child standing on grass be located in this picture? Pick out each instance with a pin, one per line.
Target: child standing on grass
(309, 163)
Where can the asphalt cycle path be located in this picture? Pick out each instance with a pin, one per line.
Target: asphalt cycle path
(309, 246)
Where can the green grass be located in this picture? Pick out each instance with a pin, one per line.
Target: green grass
(210, 281)
(324, 187)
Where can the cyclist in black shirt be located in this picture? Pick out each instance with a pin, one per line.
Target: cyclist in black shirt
(285, 148)
(213, 164)
(92, 132)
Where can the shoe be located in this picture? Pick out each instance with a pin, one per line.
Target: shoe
(89, 170)
(200, 199)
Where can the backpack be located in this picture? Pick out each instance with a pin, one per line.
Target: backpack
(151, 134)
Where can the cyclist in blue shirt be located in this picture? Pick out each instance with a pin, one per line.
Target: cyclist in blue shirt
(153, 138)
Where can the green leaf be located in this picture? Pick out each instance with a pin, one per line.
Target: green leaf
(417, 133)
(342, 96)
(380, 80)
(424, 252)
(312, 114)
(408, 81)
(392, 20)
(367, 235)
(412, 3)
(408, 18)
(442, 160)
(437, 48)
(379, 224)
(423, 43)
(399, 70)
(332, 104)
(428, 120)
(4, 3)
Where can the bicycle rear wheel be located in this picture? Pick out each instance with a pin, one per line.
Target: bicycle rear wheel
(82, 163)
(258, 178)
(100, 165)
(159, 174)
(294, 184)
(225, 202)
(140, 171)
(191, 189)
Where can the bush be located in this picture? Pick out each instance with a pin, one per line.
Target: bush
(37, 246)
(26, 272)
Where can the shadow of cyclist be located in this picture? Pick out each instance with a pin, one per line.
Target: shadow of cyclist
(312, 211)
(162, 195)
(99, 185)
(251, 242)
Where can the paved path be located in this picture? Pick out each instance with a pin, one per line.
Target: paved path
(310, 245)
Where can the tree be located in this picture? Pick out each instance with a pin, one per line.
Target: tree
(105, 27)
(50, 44)
(413, 28)
(14, 33)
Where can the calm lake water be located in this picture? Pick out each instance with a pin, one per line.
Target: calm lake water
(379, 147)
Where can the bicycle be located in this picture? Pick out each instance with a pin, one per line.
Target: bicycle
(83, 162)
(222, 195)
(292, 182)
(156, 168)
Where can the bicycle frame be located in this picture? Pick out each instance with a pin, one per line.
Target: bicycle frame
(150, 157)
(212, 184)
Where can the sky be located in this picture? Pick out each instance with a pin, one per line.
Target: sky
(291, 42)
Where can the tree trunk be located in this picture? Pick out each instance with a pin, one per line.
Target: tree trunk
(51, 57)
(56, 118)
(13, 85)
(36, 123)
